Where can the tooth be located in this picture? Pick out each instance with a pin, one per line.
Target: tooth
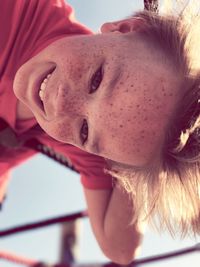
(43, 86)
(41, 94)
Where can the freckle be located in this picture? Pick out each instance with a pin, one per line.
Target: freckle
(64, 94)
(145, 118)
(111, 104)
(138, 106)
(121, 109)
(121, 126)
(131, 85)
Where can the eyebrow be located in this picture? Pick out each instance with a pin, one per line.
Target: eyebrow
(113, 81)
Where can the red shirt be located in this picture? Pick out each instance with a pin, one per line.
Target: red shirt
(27, 27)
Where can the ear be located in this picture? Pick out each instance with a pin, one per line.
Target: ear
(123, 26)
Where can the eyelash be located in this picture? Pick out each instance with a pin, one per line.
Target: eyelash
(94, 85)
(96, 80)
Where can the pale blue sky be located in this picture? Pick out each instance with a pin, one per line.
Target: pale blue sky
(41, 188)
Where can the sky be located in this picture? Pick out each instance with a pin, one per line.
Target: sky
(41, 188)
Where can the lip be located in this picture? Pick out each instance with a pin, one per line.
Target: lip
(36, 88)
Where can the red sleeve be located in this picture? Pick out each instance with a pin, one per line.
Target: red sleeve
(91, 167)
(28, 26)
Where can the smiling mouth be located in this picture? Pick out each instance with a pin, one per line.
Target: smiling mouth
(37, 92)
(43, 87)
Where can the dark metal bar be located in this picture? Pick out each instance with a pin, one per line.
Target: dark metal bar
(151, 5)
(39, 224)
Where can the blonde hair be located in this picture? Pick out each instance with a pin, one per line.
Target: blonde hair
(167, 192)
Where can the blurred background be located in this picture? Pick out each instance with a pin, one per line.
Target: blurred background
(41, 188)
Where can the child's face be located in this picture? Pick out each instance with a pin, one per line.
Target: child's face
(126, 109)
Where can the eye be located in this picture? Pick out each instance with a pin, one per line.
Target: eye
(96, 80)
(84, 132)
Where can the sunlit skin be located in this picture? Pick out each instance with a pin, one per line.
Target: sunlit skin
(126, 115)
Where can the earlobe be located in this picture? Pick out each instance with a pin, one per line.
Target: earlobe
(109, 27)
(123, 26)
